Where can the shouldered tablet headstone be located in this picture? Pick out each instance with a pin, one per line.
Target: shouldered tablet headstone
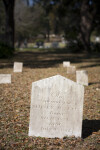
(56, 111)
(18, 66)
(71, 69)
(82, 77)
(5, 78)
(66, 63)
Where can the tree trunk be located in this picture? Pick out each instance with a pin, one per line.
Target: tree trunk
(9, 10)
(27, 2)
(87, 13)
(48, 34)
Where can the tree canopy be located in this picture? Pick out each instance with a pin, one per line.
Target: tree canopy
(76, 19)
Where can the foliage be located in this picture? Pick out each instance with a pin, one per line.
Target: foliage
(29, 21)
(39, 40)
(72, 17)
(74, 46)
(95, 47)
(5, 51)
(51, 17)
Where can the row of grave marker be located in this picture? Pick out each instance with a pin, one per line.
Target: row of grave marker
(6, 78)
(56, 106)
(81, 76)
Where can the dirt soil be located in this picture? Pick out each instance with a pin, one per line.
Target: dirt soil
(15, 100)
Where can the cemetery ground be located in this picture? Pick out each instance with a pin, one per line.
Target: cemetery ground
(15, 100)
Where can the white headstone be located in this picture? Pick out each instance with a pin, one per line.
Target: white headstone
(56, 108)
(66, 63)
(71, 69)
(82, 77)
(18, 66)
(5, 78)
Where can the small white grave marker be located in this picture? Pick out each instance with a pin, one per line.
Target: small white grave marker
(5, 78)
(82, 77)
(71, 69)
(18, 66)
(56, 111)
(66, 63)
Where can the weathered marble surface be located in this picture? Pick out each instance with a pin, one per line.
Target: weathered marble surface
(82, 77)
(18, 66)
(5, 78)
(56, 108)
(71, 69)
(66, 63)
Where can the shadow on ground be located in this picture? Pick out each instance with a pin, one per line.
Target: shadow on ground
(93, 65)
(49, 58)
(90, 126)
(91, 83)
